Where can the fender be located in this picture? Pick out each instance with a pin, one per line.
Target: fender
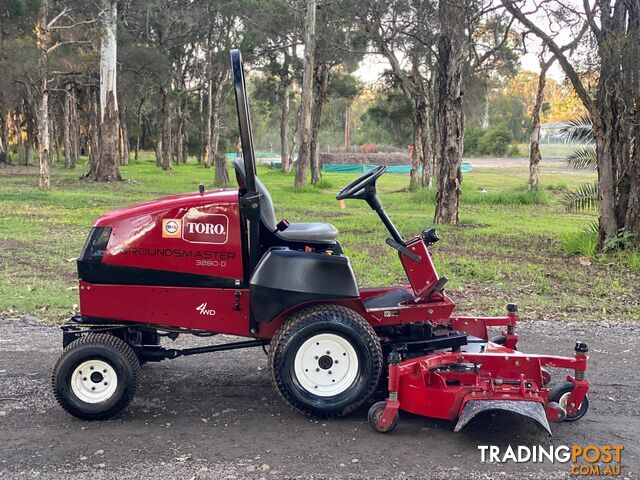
(285, 278)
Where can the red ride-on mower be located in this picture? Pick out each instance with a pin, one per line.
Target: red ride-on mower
(218, 261)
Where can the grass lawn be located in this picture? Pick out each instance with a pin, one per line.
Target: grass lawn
(511, 245)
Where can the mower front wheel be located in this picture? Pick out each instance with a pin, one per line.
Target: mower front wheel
(325, 360)
(375, 412)
(560, 393)
(96, 376)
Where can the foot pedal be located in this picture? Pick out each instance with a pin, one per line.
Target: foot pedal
(438, 287)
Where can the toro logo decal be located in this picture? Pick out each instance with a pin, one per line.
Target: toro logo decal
(207, 228)
(171, 228)
(202, 308)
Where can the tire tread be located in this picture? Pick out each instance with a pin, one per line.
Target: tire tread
(102, 339)
(309, 315)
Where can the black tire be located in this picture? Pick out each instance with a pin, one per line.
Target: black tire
(333, 320)
(559, 391)
(122, 363)
(500, 340)
(374, 414)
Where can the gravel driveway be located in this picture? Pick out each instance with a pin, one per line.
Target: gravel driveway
(217, 416)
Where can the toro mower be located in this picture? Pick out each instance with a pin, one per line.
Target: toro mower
(218, 261)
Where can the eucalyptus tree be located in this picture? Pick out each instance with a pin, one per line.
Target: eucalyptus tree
(340, 45)
(279, 25)
(403, 31)
(105, 169)
(304, 154)
(613, 104)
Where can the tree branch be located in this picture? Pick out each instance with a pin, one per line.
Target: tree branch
(579, 87)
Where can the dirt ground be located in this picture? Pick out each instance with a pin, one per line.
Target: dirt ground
(217, 416)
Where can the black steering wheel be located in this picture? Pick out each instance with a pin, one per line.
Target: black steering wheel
(364, 187)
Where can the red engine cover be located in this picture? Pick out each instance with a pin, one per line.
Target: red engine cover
(189, 233)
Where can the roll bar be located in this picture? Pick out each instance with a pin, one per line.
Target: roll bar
(244, 120)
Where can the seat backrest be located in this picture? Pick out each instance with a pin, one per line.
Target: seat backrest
(267, 214)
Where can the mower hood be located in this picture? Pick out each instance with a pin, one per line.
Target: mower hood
(530, 409)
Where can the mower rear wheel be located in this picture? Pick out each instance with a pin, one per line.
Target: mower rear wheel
(374, 417)
(325, 360)
(96, 376)
(560, 393)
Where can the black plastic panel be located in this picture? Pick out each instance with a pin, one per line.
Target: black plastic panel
(285, 278)
(91, 269)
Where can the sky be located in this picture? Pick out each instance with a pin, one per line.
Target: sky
(373, 66)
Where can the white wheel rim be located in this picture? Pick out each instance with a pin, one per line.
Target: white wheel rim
(326, 365)
(564, 399)
(94, 381)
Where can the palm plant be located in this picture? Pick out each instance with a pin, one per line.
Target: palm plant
(585, 197)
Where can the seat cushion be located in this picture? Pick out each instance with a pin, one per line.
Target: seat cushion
(309, 232)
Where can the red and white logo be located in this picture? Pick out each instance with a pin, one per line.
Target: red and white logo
(206, 228)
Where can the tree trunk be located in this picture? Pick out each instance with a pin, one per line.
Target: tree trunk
(181, 112)
(632, 216)
(320, 98)
(44, 143)
(139, 129)
(163, 148)
(18, 126)
(304, 155)
(285, 92)
(74, 129)
(347, 128)
(200, 148)
(285, 159)
(125, 152)
(53, 131)
(221, 178)
(66, 128)
(30, 141)
(534, 144)
(94, 132)
(208, 153)
(5, 153)
(416, 153)
(485, 116)
(106, 169)
(293, 139)
(427, 150)
(450, 116)
(422, 133)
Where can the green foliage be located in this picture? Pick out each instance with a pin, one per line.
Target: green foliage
(578, 130)
(471, 137)
(387, 121)
(583, 158)
(584, 242)
(585, 197)
(514, 151)
(508, 111)
(494, 141)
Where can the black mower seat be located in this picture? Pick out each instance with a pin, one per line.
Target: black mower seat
(295, 232)
(390, 299)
